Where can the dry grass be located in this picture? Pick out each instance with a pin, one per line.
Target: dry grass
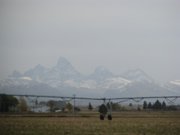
(134, 123)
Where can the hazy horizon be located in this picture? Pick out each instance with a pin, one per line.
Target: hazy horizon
(120, 35)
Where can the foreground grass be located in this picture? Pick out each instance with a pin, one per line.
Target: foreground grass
(131, 124)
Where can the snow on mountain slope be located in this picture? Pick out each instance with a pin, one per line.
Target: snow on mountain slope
(114, 83)
(176, 82)
(54, 76)
(37, 73)
(137, 75)
(137, 89)
(100, 74)
(64, 74)
(62, 71)
(173, 86)
(71, 83)
(88, 84)
(26, 78)
(64, 78)
(26, 85)
(25, 81)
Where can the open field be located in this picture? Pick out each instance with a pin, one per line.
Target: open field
(123, 123)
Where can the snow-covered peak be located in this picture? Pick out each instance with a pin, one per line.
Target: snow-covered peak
(38, 69)
(36, 73)
(115, 83)
(173, 86)
(101, 73)
(138, 75)
(63, 63)
(62, 71)
(65, 67)
(119, 79)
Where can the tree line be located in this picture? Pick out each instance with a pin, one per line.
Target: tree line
(157, 105)
(12, 104)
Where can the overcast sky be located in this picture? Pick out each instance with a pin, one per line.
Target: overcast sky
(117, 34)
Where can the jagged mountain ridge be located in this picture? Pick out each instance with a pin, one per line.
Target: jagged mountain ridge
(64, 74)
(62, 71)
(64, 79)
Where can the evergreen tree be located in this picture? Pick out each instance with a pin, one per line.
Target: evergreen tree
(157, 105)
(90, 107)
(164, 105)
(6, 102)
(130, 104)
(145, 105)
(149, 105)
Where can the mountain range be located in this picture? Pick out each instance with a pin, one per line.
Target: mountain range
(63, 79)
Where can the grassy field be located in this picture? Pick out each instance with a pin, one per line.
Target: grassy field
(124, 123)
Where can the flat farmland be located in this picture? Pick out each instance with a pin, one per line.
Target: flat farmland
(123, 123)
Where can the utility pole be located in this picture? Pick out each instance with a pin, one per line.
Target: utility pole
(74, 96)
(110, 107)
